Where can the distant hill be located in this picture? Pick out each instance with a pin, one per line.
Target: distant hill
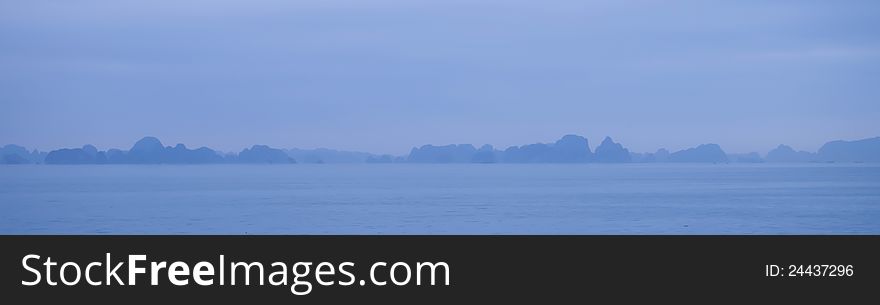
(784, 153)
(866, 150)
(486, 154)
(661, 155)
(149, 150)
(610, 152)
(706, 153)
(14, 154)
(88, 154)
(264, 154)
(568, 149)
(461, 153)
(14, 159)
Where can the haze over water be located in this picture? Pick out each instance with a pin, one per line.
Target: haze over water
(804, 198)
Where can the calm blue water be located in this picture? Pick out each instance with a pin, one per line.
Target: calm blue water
(437, 199)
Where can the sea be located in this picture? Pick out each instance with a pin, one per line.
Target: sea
(661, 198)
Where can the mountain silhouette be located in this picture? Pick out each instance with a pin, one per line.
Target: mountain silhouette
(610, 152)
(486, 154)
(14, 159)
(148, 150)
(88, 154)
(14, 154)
(784, 153)
(461, 153)
(705, 153)
(264, 154)
(866, 150)
(568, 149)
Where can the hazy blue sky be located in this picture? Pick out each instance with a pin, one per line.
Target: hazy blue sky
(384, 76)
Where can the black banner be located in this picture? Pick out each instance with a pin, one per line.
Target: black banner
(400, 269)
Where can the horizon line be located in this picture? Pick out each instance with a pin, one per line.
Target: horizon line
(499, 148)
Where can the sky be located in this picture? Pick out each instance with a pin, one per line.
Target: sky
(384, 76)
